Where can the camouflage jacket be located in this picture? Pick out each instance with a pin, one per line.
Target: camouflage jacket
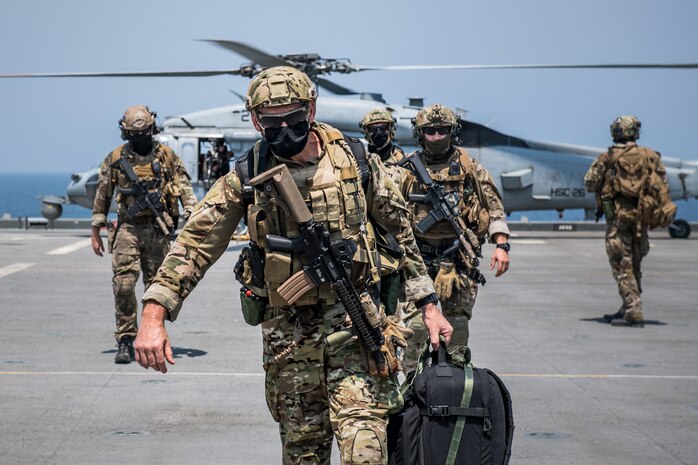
(207, 235)
(492, 201)
(174, 186)
(390, 162)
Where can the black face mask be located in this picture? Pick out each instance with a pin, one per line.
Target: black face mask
(142, 144)
(384, 152)
(379, 139)
(288, 141)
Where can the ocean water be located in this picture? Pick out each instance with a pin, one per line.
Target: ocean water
(19, 192)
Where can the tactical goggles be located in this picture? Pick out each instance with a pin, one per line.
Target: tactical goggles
(142, 132)
(384, 127)
(291, 118)
(442, 130)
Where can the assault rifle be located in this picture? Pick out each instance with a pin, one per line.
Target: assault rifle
(146, 200)
(323, 261)
(444, 206)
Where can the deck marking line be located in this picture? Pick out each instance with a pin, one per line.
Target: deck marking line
(70, 248)
(14, 268)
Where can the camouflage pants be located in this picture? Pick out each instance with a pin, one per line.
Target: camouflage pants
(136, 248)
(458, 309)
(625, 252)
(314, 391)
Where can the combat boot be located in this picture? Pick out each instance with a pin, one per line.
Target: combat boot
(609, 317)
(124, 354)
(628, 323)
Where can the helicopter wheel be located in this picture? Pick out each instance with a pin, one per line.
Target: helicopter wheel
(680, 229)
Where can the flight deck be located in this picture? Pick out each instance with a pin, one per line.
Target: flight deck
(583, 392)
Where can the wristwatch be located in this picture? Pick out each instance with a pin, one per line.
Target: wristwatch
(430, 299)
(505, 246)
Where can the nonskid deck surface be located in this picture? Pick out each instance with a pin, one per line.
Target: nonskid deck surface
(584, 392)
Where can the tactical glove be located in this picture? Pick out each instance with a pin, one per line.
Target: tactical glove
(446, 279)
(394, 336)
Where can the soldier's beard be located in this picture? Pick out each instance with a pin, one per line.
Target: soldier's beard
(288, 141)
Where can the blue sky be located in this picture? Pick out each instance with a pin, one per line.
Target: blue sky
(70, 124)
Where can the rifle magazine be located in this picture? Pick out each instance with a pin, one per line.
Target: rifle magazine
(295, 286)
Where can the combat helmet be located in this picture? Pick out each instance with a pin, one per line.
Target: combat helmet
(434, 116)
(280, 85)
(137, 118)
(625, 128)
(378, 115)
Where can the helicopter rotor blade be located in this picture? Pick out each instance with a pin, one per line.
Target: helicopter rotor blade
(334, 88)
(251, 53)
(232, 72)
(530, 66)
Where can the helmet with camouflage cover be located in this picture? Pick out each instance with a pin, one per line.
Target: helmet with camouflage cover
(280, 85)
(137, 118)
(434, 116)
(625, 128)
(377, 115)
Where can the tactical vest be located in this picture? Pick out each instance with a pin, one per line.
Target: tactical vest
(333, 191)
(459, 175)
(157, 169)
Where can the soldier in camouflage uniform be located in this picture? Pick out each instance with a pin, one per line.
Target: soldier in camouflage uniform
(315, 386)
(625, 178)
(138, 242)
(435, 129)
(378, 126)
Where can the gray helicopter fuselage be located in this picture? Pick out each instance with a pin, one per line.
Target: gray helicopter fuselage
(530, 176)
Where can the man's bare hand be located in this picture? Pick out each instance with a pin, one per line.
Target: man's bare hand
(500, 259)
(97, 244)
(152, 345)
(436, 324)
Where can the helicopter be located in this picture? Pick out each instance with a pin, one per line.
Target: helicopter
(530, 175)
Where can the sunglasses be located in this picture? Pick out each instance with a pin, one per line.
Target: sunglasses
(378, 127)
(442, 130)
(291, 118)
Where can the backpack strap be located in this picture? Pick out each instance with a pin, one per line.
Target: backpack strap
(460, 423)
(245, 169)
(359, 151)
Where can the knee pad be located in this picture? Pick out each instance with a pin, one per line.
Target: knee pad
(124, 284)
(308, 459)
(368, 448)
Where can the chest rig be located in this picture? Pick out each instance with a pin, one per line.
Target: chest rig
(156, 170)
(457, 174)
(332, 189)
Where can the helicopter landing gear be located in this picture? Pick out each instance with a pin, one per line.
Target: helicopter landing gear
(680, 229)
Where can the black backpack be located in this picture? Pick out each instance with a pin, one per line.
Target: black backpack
(453, 415)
